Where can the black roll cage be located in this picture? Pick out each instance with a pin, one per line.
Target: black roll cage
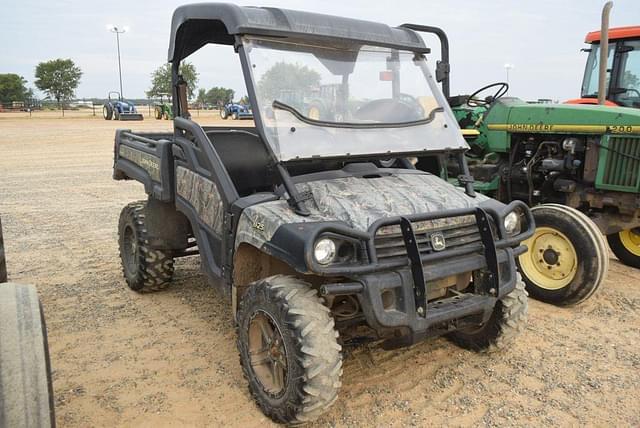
(295, 199)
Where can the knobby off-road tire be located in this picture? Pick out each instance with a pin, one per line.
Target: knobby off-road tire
(626, 246)
(282, 319)
(224, 114)
(567, 259)
(26, 393)
(507, 321)
(235, 115)
(145, 269)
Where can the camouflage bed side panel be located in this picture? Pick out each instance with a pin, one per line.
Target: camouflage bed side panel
(146, 161)
(359, 202)
(203, 195)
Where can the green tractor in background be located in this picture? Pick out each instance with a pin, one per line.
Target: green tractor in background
(163, 109)
(578, 166)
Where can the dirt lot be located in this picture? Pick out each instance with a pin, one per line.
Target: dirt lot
(169, 359)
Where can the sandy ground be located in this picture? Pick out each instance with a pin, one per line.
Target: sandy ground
(169, 359)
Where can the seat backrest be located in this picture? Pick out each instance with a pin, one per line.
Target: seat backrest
(246, 159)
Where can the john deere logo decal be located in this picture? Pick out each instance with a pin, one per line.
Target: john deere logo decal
(438, 242)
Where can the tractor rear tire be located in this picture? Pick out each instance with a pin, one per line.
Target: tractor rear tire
(288, 349)
(157, 112)
(107, 112)
(626, 246)
(507, 321)
(26, 393)
(224, 114)
(145, 269)
(567, 259)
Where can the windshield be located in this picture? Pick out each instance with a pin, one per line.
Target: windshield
(627, 92)
(326, 101)
(590, 82)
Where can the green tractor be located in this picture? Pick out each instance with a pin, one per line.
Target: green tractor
(578, 166)
(163, 109)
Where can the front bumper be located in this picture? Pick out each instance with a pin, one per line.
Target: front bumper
(409, 317)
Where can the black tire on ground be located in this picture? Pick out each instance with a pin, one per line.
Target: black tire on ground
(107, 112)
(289, 335)
(577, 261)
(235, 115)
(26, 393)
(628, 254)
(145, 269)
(116, 114)
(165, 115)
(224, 114)
(157, 112)
(507, 321)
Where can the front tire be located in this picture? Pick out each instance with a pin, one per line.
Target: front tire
(224, 114)
(157, 112)
(235, 115)
(626, 246)
(288, 349)
(507, 321)
(145, 269)
(566, 261)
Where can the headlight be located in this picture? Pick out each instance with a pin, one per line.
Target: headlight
(512, 223)
(324, 251)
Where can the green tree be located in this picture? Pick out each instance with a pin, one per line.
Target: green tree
(13, 88)
(201, 98)
(161, 79)
(59, 79)
(219, 95)
(289, 78)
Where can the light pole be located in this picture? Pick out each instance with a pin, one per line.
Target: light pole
(508, 67)
(118, 31)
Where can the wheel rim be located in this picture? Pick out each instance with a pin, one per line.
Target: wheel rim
(267, 354)
(130, 250)
(551, 261)
(630, 239)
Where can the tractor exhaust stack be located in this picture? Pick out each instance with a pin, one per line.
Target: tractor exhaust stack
(604, 52)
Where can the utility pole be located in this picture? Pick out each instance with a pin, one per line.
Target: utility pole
(118, 31)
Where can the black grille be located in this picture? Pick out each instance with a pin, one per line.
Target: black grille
(390, 244)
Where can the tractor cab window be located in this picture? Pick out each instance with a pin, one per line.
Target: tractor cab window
(590, 82)
(627, 92)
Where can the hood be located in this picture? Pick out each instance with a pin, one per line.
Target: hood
(357, 202)
(578, 118)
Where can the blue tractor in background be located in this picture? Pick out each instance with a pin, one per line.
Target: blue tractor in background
(119, 109)
(236, 111)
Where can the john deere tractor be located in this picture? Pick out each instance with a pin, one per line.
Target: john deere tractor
(163, 109)
(578, 166)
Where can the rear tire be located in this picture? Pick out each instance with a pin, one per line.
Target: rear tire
(507, 321)
(566, 261)
(145, 269)
(26, 393)
(288, 349)
(626, 246)
(107, 112)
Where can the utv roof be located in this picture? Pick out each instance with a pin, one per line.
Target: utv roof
(195, 25)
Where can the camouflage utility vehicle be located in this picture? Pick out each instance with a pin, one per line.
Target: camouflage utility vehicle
(320, 231)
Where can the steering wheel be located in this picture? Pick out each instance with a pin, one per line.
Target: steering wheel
(404, 109)
(472, 101)
(632, 90)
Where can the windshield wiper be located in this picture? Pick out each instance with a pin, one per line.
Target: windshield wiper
(282, 106)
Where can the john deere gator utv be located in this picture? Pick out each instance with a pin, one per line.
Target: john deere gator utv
(577, 166)
(314, 236)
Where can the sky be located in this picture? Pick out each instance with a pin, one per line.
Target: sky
(540, 38)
